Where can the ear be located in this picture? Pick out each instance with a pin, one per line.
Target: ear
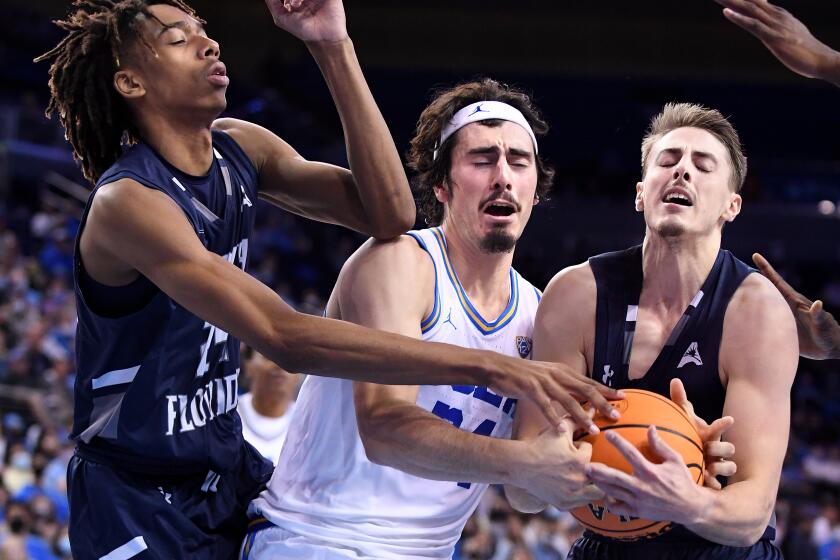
(640, 204)
(442, 193)
(734, 208)
(128, 84)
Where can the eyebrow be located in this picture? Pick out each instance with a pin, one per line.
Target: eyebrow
(487, 150)
(181, 24)
(695, 153)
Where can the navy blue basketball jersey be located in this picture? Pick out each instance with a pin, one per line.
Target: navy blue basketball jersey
(156, 390)
(690, 352)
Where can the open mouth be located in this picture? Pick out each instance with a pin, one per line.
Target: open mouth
(677, 198)
(499, 209)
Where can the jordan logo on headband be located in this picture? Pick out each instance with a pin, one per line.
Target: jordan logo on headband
(482, 111)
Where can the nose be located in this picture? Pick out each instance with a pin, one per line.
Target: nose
(210, 49)
(502, 179)
(681, 173)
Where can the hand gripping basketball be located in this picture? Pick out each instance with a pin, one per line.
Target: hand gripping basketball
(649, 463)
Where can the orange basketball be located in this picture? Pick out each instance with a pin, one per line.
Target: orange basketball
(639, 410)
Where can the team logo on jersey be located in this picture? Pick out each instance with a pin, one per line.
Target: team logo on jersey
(245, 200)
(691, 356)
(524, 345)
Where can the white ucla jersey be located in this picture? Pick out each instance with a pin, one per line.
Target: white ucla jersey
(327, 494)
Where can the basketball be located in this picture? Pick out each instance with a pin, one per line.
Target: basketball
(639, 410)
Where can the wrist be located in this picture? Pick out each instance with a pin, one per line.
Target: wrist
(329, 47)
(700, 509)
(517, 464)
(830, 68)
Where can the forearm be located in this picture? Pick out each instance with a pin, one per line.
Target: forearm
(406, 437)
(374, 161)
(736, 515)
(336, 348)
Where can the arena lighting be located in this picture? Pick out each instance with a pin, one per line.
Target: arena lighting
(826, 207)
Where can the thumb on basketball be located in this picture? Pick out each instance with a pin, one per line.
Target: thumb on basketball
(679, 396)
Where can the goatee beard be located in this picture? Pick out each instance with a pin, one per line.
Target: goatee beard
(498, 241)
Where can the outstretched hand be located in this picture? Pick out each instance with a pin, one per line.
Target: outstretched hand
(310, 20)
(717, 454)
(819, 333)
(784, 35)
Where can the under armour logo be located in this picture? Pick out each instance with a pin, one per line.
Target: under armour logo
(692, 355)
(449, 320)
(477, 109)
(245, 200)
(606, 379)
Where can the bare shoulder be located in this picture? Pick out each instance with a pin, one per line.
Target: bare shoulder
(759, 333)
(115, 201)
(256, 141)
(758, 299)
(397, 268)
(573, 289)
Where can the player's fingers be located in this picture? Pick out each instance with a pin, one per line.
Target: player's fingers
(658, 445)
(719, 450)
(616, 494)
(585, 450)
(546, 406)
(792, 296)
(717, 428)
(758, 10)
(709, 481)
(589, 493)
(601, 474)
(597, 395)
(722, 468)
(634, 456)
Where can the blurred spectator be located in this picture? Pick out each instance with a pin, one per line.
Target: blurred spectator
(266, 409)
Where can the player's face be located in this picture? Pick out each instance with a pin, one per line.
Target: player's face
(183, 75)
(686, 189)
(268, 378)
(493, 180)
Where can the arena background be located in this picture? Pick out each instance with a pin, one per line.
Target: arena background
(599, 71)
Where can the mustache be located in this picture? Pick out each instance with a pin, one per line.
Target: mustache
(507, 197)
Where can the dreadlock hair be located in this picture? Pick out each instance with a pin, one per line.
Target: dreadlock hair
(96, 119)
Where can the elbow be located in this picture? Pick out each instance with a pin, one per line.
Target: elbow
(400, 220)
(747, 538)
(370, 434)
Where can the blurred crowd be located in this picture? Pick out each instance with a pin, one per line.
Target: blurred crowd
(300, 260)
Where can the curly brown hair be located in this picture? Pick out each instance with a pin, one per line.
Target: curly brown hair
(96, 119)
(431, 172)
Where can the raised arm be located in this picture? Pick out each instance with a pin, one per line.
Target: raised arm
(373, 197)
(133, 229)
(786, 37)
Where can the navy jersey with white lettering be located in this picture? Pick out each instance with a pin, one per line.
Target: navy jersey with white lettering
(156, 389)
(690, 354)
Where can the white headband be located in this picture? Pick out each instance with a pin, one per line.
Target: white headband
(482, 111)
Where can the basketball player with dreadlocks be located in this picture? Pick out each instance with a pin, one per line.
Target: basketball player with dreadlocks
(161, 469)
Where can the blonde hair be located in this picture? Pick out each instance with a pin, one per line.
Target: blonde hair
(681, 115)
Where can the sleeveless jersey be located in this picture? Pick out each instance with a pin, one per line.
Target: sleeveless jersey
(156, 390)
(691, 350)
(324, 488)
